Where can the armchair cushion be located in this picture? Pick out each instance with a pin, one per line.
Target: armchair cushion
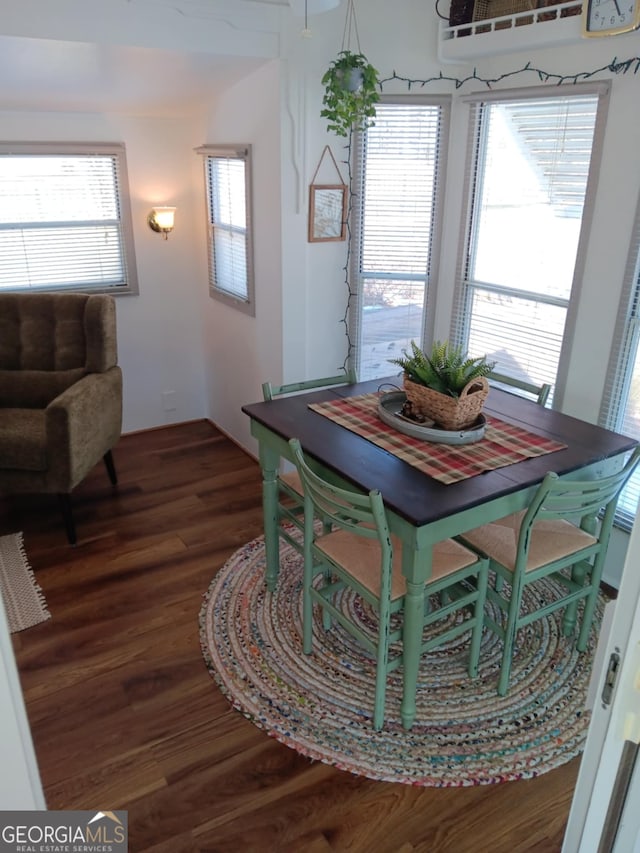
(23, 439)
(57, 331)
(35, 389)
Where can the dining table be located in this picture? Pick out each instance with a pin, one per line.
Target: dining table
(431, 491)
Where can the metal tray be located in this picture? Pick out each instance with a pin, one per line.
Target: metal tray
(390, 412)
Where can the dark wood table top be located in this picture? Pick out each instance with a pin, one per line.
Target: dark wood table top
(412, 494)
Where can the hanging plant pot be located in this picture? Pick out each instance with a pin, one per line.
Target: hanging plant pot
(351, 93)
(352, 79)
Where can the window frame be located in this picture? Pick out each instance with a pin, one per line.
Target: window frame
(82, 149)
(430, 279)
(243, 153)
(460, 323)
(625, 350)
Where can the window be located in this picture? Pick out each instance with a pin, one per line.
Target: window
(621, 402)
(398, 189)
(65, 222)
(228, 182)
(528, 180)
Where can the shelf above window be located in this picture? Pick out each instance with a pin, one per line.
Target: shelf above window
(549, 26)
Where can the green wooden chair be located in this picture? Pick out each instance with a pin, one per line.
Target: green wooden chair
(353, 548)
(290, 500)
(558, 536)
(540, 393)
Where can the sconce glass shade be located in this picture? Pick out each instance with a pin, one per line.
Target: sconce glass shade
(161, 220)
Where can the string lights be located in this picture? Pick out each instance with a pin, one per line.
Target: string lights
(614, 67)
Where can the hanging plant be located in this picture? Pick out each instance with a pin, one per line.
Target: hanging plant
(351, 93)
(351, 85)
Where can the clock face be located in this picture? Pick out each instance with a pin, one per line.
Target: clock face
(608, 17)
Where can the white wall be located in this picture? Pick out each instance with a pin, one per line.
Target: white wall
(160, 331)
(241, 352)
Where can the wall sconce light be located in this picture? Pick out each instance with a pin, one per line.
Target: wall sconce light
(160, 220)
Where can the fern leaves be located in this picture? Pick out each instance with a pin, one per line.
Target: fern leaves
(448, 369)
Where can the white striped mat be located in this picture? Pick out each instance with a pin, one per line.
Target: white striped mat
(23, 598)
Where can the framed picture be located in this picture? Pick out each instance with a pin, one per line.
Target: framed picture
(327, 212)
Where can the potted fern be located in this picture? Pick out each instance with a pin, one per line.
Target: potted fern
(351, 93)
(446, 386)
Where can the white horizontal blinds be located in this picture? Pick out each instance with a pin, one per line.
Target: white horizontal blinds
(527, 179)
(396, 198)
(60, 222)
(228, 211)
(620, 409)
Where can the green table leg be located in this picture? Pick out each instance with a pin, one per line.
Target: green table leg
(578, 574)
(269, 462)
(416, 568)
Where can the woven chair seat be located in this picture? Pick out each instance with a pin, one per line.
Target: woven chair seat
(551, 539)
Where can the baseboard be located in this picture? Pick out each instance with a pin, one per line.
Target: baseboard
(166, 426)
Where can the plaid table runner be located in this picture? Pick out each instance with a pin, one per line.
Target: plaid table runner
(502, 444)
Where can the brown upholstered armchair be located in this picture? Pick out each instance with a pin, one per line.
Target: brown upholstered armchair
(60, 392)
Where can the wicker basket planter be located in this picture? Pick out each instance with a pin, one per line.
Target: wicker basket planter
(449, 412)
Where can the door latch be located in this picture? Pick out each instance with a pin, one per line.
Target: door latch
(611, 677)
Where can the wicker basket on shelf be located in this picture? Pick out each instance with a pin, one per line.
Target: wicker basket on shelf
(485, 9)
(450, 413)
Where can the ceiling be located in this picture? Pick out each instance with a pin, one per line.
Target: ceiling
(177, 55)
(39, 74)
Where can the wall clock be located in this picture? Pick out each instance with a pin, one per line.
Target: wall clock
(610, 17)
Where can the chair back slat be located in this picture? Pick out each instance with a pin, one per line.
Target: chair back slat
(558, 498)
(269, 390)
(360, 513)
(539, 392)
(576, 501)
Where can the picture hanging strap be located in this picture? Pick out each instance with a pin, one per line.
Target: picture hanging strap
(324, 151)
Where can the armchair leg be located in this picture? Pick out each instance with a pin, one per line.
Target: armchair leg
(111, 468)
(67, 514)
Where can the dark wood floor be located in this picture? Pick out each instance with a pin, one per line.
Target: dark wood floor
(124, 714)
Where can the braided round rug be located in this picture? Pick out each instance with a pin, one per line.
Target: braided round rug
(321, 704)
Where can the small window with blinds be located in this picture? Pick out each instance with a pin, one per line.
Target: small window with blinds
(621, 402)
(396, 211)
(228, 184)
(65, 221)
(530, 161)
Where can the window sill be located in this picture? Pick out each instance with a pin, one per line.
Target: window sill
(550, 26)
